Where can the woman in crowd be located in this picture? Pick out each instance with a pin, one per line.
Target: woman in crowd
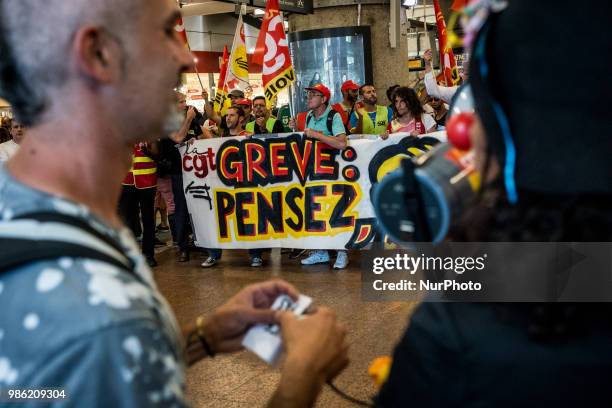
(409, 114)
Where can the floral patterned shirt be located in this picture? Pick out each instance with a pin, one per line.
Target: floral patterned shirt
(104, 335)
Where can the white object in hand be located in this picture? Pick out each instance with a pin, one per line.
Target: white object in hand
(265, 339)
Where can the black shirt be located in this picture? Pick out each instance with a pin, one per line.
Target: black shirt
(442, 120)
(277, 128)
(466, 355)
(170, 158)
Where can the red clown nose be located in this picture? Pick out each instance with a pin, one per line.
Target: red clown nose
(458, 130)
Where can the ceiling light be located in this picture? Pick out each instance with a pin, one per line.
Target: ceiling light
(409, 3)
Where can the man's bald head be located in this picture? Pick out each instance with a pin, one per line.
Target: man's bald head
(35, 44)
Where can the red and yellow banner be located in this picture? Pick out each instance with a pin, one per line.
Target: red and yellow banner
(288, 191)
(447, 57)
(272, 52)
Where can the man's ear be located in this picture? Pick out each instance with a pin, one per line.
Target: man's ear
(98, 54)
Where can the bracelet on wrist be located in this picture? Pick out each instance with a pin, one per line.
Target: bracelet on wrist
(200, 333)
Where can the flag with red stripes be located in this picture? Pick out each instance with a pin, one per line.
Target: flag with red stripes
(272, 53)
(447, 57)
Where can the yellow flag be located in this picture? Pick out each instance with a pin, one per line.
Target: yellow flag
(221, 94)
(238, 69)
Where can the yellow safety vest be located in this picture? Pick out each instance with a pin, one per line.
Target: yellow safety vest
(250, 127)
(382, 121)
(143, 173)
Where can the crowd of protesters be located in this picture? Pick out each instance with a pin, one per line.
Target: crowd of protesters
(153, 189)
(154, 184)
(83, 317)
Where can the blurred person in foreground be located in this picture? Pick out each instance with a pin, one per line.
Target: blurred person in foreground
(100, 331)
(559, 189)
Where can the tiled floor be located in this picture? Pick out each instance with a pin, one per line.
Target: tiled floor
(242, 380)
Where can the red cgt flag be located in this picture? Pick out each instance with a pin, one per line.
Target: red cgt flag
(272, 53)
(447, 57)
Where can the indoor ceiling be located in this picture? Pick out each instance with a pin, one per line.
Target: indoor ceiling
(205, 7)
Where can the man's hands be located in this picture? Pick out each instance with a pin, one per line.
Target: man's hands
(316, 351)
(204, 95)
(308, 132)
(261, 123)
(315, 344)
(226, 327)
(191, 113)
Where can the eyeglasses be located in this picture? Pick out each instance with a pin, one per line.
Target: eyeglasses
(310, 94)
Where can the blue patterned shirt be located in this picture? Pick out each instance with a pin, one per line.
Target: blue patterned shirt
(104, 335)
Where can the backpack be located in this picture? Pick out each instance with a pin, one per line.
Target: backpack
(49, 235)
(346, 117)
(330, 120)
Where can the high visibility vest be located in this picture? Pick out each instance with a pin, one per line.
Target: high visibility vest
(382, 121)
(300, 121)
(250, 127)
(143, 173)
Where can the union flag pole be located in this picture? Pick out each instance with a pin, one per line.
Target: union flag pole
(180, 29)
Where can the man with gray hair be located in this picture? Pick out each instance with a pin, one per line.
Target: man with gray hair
(81, 312)
(9, 148)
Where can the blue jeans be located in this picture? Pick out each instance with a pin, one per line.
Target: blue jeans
(181, 213)
(216, 253)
